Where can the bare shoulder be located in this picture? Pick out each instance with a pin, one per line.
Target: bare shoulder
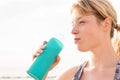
(69, 74)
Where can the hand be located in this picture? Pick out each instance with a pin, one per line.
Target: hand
(40, 50)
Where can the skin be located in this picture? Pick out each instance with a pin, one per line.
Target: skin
(95, 37)
(91, 35)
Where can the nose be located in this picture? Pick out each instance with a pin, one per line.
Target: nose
(74, 30)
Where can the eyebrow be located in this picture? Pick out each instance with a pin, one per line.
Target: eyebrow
(78, 18)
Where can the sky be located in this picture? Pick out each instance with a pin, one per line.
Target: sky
(25, 24)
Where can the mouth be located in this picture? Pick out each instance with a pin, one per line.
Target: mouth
(76, 39)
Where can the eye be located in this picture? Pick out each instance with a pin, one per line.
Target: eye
(81, 22)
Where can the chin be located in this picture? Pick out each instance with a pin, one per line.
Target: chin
(82, 49)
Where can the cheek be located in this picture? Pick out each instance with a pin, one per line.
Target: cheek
(88, 32)
(92, 34)
(90, 37)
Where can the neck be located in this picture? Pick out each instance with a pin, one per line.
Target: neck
(103, 57)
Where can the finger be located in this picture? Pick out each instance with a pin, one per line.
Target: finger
(55, 62)
(33, 57)
(42, 47)
(38, 52)
(44, 42)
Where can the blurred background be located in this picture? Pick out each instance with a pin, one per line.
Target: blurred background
(25, 24)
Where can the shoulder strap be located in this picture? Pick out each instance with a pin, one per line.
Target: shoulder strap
(117, 73)
(79, 72)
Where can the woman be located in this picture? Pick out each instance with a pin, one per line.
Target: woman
(93, 22)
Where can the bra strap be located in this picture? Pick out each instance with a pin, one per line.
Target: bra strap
(80, 71)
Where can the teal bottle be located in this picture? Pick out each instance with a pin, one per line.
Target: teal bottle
(43, 62)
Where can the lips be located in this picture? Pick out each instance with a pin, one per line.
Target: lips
(76, 39)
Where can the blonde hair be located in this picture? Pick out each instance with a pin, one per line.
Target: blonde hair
(102, 9)
(117, 41)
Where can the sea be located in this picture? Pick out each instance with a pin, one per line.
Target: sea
(23, 77)
(15, 73)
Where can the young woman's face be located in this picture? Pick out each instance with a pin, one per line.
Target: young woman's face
(87, 32)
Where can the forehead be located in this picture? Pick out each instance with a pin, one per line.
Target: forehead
(77, 16)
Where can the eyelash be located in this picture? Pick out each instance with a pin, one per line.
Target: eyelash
(82, 22)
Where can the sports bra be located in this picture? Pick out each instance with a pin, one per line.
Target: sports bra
(78, 74)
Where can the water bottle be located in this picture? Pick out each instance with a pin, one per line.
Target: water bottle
(43, 62)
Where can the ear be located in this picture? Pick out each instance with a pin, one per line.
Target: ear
(107, 24)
